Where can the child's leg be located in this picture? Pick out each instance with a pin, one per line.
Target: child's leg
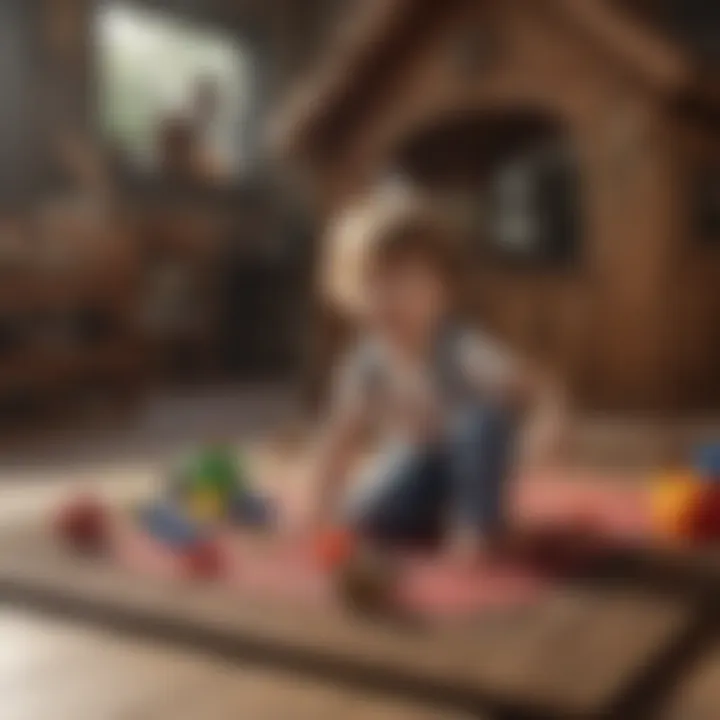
(404, 498)
(480, 458)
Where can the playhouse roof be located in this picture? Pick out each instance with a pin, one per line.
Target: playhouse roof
(369, 42)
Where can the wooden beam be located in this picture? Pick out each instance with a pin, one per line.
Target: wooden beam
(574, 653)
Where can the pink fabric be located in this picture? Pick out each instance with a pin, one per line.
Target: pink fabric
(273, 568)
(615, 510)
(137, 550)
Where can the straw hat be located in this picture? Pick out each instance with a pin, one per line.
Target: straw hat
(352, 233)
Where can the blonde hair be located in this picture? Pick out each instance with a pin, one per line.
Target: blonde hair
(374, 230)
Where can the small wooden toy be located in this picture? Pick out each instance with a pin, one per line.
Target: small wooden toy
(363, 576)
(365, 581)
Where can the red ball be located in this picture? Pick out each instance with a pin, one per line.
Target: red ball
(83, 522)
(334, 547)
(705, 520)
(204, 560)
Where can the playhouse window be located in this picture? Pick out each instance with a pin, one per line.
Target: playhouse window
(159, 74)
(511, 179)
(695, 22)
(532, 206)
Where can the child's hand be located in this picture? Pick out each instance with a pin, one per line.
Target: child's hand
(546, 438)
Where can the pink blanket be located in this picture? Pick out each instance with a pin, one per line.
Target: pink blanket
(577, 515)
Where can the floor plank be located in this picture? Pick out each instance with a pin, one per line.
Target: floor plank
(68, 672)
(697, 696)
(575, 652)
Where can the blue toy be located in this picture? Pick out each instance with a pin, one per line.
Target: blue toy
(166, 523)
(209, 489)
(252, 510)
(707, 462)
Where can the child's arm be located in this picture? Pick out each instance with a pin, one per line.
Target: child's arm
(548, 417)
(338, 451)
(340, 439)
(538, 399)
(497, 374)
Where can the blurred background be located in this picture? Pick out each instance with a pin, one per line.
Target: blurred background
(145, 240)
(167, 169)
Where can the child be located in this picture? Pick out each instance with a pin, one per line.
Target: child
(447, 402)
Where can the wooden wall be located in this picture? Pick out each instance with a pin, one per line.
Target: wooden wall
(19, 97)
(605, 325)
(695, 290)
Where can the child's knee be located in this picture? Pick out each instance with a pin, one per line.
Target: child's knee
(400, 496)
(483, 424)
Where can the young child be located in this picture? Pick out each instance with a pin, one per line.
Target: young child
(446, 401)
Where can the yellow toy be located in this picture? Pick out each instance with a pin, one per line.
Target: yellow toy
(674, 499)
(206, 505)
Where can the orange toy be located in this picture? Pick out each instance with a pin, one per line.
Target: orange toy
(675, 501)
(334, 547)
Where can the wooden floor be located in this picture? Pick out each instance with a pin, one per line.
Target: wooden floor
(49, 669)
(57, 668)
(697, 695)
(124, 459)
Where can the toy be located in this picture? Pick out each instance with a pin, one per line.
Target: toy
(200, 555)
(685, 505)
(168, 524)
(707, 462)
(208, 482)
(706, 515)
(205, 505)
(213, 486)
(83, 522)
(251, 510)
(365, 580)
(674, 502)
(363, 577)
(204, 560)
(334, 547)
(209, 488)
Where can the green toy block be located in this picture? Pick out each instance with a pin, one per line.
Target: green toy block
(213, 469)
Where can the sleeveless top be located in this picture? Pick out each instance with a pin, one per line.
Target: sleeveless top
(462, 369)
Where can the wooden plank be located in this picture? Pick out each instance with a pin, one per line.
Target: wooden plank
(48, 664)
(575, 652)
(697, 695)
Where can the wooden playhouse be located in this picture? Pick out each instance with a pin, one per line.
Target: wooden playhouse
(584, 139)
